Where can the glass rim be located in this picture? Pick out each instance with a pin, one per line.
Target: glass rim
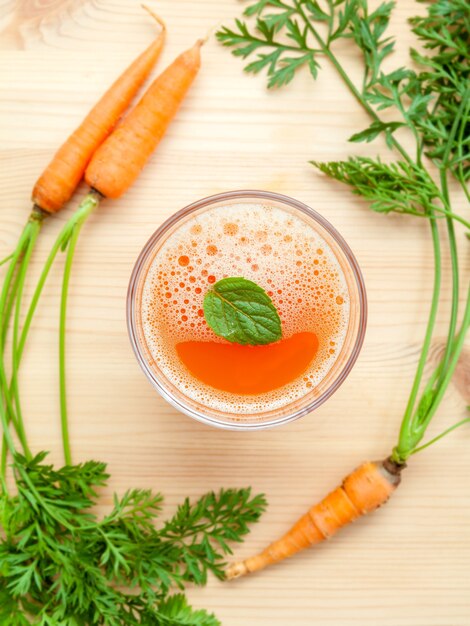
(233, 195)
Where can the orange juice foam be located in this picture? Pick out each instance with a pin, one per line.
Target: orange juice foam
(280, 251)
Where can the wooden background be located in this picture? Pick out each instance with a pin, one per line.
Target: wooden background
(408, 565)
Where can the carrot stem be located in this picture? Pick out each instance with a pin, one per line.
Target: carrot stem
(62, 336)
(6, 259)
(9, 308)
(66, 239)
(25, 247)
(6, 434)
(406, 441)
(452, 364)
(90, 202)
(35, 230)
(415, 423)
(443, 434)
(15, 258)
(458, 121)
(10, 284)
(9, 287)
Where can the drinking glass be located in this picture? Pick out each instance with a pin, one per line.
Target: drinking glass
(314, 397)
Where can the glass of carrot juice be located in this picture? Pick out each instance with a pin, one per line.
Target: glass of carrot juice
(305, 267)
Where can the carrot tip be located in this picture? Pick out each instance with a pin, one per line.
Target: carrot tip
(211, 31)
(235, 570)
(203, 40)
(155, 16)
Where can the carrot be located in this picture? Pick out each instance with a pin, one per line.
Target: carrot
(364, 490)
(60, 178)
(119, 160)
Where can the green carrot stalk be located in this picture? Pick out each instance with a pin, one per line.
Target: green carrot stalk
(12, 290)
(90, 203)
(69, 231)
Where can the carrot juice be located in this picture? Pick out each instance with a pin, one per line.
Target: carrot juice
(285, 253)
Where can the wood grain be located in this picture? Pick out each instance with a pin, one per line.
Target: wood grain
(405, 566)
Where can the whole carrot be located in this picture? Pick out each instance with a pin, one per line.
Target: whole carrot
(364, 490)
(119, 160)
(59, 180)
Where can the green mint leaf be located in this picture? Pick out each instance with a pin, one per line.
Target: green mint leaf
(242, 312)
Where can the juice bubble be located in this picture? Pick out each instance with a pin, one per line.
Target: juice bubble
(230, 228)
(284, 254)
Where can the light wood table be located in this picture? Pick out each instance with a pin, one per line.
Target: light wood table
(408, 565)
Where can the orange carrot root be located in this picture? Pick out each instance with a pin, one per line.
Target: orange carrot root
(59, 180)
(120, 159)
(364, 490)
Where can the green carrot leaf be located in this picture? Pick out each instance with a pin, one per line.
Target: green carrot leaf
(399, 187)
(175, 611)
(62, 566)
(377, 127)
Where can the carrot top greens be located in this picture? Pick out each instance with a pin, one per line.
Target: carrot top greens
(60, 564)
(430, 100)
